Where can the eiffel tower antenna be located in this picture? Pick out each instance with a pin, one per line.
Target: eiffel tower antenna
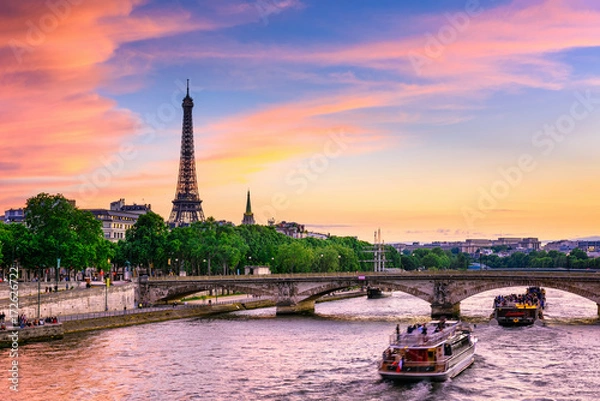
(187, 206)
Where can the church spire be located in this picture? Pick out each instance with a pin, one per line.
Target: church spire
(248, 206)
(248, 216)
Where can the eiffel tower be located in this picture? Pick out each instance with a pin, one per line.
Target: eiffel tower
(187, 206)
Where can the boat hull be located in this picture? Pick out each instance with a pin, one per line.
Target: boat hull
(377, 293)
(506, 316)
(456, 366)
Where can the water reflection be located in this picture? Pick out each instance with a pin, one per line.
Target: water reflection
(254, 355)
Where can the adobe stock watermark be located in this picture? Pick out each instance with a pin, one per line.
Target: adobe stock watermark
(266, 8)
(545, 141)
(116, 164)
(308, 171)
(437, 43)
(13, 285)
(37, 30)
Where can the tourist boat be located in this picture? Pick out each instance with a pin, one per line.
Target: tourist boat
(436, 351)
(376, 293)
(520, 310)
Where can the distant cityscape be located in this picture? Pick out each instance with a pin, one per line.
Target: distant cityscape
(504, 247)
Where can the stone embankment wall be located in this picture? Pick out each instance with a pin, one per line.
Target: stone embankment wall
(69, 302)
(27, 334)
(112, 322)
(26, 289)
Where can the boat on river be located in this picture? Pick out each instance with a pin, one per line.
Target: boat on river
(436, 351)
(520, 310)
(376, 293)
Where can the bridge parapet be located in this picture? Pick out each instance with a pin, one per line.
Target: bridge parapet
(444, 290)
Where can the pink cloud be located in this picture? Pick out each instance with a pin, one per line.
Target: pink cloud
(53, 122)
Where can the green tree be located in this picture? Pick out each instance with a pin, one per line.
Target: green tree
(348, 259)
(518, 260)
(262, 243)
(147, 243)
(295, 257)
(578, 254)
(231, 250)
(61, 232)
(431, 260)
(16, 243)
(409, 263)
(326, 259)
(460, 262)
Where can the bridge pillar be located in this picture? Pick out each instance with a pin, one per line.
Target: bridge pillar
(303, 307)
(447, 310)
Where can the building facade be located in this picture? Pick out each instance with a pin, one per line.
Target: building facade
(291, 229)
(13, 216)
(119, 218)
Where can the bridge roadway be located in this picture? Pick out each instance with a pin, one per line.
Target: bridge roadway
(443, 290)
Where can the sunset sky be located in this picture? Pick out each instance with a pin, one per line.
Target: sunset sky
(432, 120)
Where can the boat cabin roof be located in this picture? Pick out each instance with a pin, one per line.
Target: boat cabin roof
(438, 332)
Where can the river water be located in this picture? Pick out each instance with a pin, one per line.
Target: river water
(253, 355)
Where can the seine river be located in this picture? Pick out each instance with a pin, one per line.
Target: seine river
(254, 355)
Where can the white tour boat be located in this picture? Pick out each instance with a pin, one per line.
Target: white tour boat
(435, 351)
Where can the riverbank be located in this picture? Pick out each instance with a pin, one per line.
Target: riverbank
(101, 323)
(112, 322)
(46, 332)
(177, 312)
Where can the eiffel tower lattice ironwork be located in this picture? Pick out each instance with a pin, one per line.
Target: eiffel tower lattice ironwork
(187, 206)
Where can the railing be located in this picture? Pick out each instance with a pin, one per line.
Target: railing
(418, 338)
(235, 277)
(359, 275)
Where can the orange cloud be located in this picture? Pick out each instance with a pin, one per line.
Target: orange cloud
(291, 130)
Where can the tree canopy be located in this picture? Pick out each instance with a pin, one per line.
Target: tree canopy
(55, 229)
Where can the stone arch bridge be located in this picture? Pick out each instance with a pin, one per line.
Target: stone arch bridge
(444, 290)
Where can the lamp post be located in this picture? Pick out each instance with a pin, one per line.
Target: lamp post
(107, 279)
(39, 292)
(56, 275)
(127, 272)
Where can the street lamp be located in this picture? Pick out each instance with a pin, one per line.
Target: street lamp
(39, 292)
(107, 279)
(127, 272)
(56, 275)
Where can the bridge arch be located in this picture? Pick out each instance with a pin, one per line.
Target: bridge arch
(566, 286)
